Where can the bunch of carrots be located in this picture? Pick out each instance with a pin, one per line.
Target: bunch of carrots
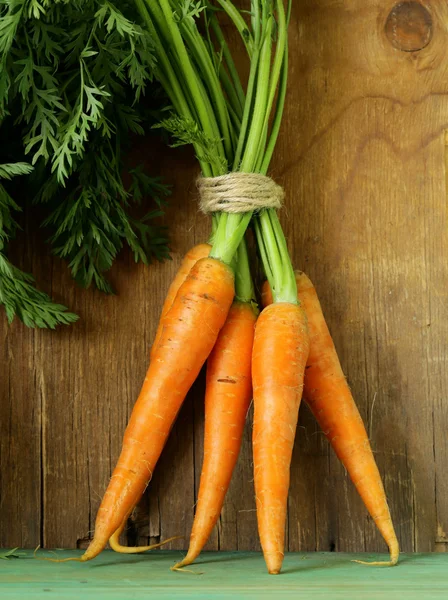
(210, 314)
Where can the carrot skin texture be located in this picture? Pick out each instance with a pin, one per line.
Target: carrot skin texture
(190, 330)
(329, 397)
(189, 260)
(280, 352)
(227, 399)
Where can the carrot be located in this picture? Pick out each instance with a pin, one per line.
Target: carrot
(190, 330)
(190, 259)
(279, 356)
(329, 397)
(227, 398)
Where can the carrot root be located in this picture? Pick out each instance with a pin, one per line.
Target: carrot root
(227, 398)
(385, 563)
(57, 560)
(188, 262)
(117, 547)
(180, 566)
(329, 397)
(280, 352)
(60, 560)
(193, 322)
(394, 554)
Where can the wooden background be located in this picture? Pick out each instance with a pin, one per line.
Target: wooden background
(363, 157)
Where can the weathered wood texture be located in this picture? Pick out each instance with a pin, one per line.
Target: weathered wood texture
(363, 157)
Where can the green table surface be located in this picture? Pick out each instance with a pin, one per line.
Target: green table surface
(222, 576)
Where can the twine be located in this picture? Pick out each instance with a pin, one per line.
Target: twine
(238, 193)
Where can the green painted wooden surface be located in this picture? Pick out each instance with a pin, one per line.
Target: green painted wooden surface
(224, 575)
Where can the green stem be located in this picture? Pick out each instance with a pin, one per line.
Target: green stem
(271, 240)
(232, 98)
(244, 287)
(197, 93)
(272, 249)
(229, 62)
(167, 77)
(206, 68)
(229, 235)
(236, 123)
(263, 251)
(247, 109)
(276, 262)
(159, 31)
(288, 291)
(260, 104)
(215, 221)
(160, 22)
(239, 23)
(276, 73)
(277, 117)
(256, 25)
(190, 77)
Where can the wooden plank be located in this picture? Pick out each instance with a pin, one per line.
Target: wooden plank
(225, 575)
(437, 357)
(367, 220)
(20, 425)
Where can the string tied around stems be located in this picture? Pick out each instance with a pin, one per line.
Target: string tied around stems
(238, 192)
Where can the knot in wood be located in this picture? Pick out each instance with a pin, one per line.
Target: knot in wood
(409, 26)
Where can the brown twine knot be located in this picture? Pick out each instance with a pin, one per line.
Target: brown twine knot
(238, 193)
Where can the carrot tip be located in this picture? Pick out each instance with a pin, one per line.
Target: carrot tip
(385, 563)
(56, 560)
(180, 567)
(59, 560)
(116, 547)
(394, 554)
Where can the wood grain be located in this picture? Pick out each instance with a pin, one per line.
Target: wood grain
(363, 158)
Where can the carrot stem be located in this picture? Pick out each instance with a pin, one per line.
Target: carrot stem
(239, 22)
(191, 79)
(244, 287)
(238, 88)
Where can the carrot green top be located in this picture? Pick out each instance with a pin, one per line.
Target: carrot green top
(230, 129)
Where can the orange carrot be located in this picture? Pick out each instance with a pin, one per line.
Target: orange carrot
(227, 398)
(328, 395)
(190, 330)
(279, 356)
(190, 259)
